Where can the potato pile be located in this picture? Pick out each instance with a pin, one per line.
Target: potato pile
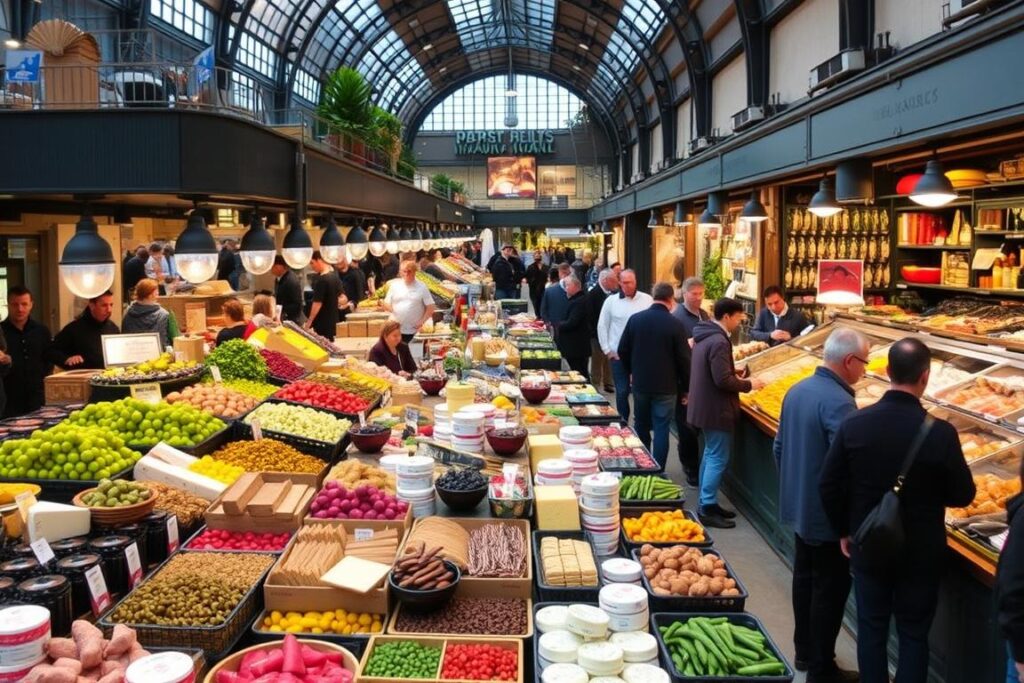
(353, 474)
(993, 492)
(686, 571)
(214, 399)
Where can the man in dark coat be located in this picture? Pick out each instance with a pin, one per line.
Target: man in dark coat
(689, 312)
(536, 278)
(352, 286)
(79, 345)
(323, 313)
(1010, 587)
(713, 404)
(554, 304)
(777, 323)
(287, 291)
(134, 270)
(28, 343)
(600, 369)
(574, 333)
(654, 351)
(225, 260)
(504, 274)
(861, 466)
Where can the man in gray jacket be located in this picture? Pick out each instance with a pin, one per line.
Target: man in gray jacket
(811, 414)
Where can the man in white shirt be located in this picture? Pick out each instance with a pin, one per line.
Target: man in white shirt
(409, 301)
(615, 312)
(156, 266)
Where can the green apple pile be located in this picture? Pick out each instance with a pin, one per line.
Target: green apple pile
(66, 451)
(541, 354)
(144, 424)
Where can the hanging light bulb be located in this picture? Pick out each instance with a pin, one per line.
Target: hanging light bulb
(297, 248)
(823, 203)
(709, 220)
(405, 240)
(753, 210)
(392, 239)
(429, 237)
(87, 262)
(653, 222)
(195, 250)
(332, 242)
(933, 189)
(417, 238)
(358, 244)
(378, 243)
(258, 248)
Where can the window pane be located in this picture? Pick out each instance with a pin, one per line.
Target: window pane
(481, 105)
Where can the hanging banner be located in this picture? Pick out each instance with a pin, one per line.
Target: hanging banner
(23, 66)
(204, 65)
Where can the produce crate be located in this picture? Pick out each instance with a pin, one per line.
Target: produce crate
(217, 441)
(671, 503)
(467, 592)
(63, 490)
(281, 381)
(549, 593)
(742, 619)
(442, 642)
(327, 452)
(628, 545)
(215, 641)
(681, 603)
(68, 387)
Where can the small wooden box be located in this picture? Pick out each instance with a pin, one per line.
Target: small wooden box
(217, 518)
(342, 330)
(68, 387)
(513, 644)
(373, 328)
(358, 328)
(189, 348)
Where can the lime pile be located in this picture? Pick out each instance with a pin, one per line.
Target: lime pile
(144, 424)
(66, 452)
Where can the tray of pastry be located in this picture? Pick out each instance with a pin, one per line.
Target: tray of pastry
(996, 479)
(868, 391)
(979, 440)
(776, 355)
(995, 394)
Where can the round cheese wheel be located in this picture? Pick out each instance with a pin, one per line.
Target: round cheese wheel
(637, 646)
(587, 621)
(550, 618)
(564, 673)
(559, 646)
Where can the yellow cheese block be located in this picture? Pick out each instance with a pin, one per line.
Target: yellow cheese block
(557, 509)
(543, 447)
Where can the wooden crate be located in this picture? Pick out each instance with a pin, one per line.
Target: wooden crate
(68, 387)
(217, 518)
(465, 590)
(516, 645)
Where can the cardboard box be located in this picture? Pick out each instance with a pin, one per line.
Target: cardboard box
(189, 348)
(358, 328)
(521, 587)
(373, 327)
(514, 644)
(217, 518)
(68, 387)
(341, 330)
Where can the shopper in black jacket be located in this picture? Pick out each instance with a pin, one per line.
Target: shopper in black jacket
(1010, 587)
(600, 370)
(80, 344)
(504, 274)
(654, 351)
(574, 333)
(28, 343)
(536, 278)
(287, 291)
(861, 465)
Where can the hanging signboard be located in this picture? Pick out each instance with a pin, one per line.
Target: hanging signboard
(504, 142)
(23, 66)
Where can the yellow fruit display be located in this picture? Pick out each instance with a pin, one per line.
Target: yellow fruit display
(338, 622)
(769, 399)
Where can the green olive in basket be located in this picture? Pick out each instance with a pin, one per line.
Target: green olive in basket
(112, 494)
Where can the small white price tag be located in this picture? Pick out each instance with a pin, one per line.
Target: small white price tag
(362, 418)
(999, 539)
(131, 553)
(172, 534)
(412, 418)
(364, 534)
(44, 553)
(99, 596)
(257, 431)
(147, 393)
(215, 371)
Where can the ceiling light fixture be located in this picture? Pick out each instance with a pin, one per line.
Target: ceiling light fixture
(605, 228)
(405, 240)
(823, 203)
(12, 44)
(358, 245)
(257, 249)
(428, 46)
(577, 67)
(417, 238)
(709, 219)
(332, 242)
(195, 250)
(680, 220)
(297, 248)
(933, 189)
(753, 210)
(87, 262)
(392, 240)
(378, 240)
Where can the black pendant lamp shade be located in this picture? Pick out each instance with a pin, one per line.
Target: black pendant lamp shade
(391, 239)
(933, 189)
(332, 242)
(257, 249)
(378, 242)
(679, 219)
(653, 221)
(753, 210)
(87, 262)
(718, 204)
(709, 219)
(297, 248)
(823, 203)
(358, 244)
(195, 250)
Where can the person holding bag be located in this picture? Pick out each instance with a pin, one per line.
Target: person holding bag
(885, 485)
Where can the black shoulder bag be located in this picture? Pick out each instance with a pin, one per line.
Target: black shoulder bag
(881, 536)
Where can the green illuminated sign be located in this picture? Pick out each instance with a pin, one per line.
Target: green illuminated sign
(499, 142)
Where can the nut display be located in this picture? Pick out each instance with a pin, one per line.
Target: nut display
(299, 421)
(681, 570)
(477, 616)
(66, 452)
(461, 480)
(404, 659)
(338, 622)
(267, 455)
(146, 424)
(662, 526)
(215, 399)
(193, 589)
(422, 568)
(187, 508)
(353, 473)
(115, 494)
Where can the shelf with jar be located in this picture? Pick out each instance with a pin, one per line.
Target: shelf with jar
(857, 233)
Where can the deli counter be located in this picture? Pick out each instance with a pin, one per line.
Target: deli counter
(979, 388)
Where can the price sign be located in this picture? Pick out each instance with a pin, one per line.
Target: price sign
(129, 349)
(362, 418)
(501, 423)
(44, 553)
(257, 431)
(131, 553)
(364, 534)
(385, 399)
(172, 534)
(412, 418)
(99, 596)
(439, 366)
(148, 393)
(215, 371)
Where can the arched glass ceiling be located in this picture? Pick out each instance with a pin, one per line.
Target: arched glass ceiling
(484, 23)
(480, 105)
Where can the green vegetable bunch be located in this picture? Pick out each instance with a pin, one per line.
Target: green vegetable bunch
(237, 359)
(711, 273)
(704, 646)
(648, 487)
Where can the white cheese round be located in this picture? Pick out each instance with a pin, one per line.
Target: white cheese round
(637, 646)
(606, 679)
(644, 673)
(564, 673)
(600, 658)
(550, 618)
(587, 621)
(629, 622)
(622, 598)
(621, 570)
(559, 646)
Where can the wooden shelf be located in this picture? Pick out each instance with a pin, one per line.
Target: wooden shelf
(1000, 233)
(941, 247)
(957, 204)
(965, 290)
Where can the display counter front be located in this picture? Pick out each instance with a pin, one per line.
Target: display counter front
(979, 388)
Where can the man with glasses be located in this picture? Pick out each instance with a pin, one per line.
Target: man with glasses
(811, 414)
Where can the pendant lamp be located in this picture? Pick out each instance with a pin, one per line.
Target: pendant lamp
(195, 250)
(653, 221)
(87, 262)
(405, 240)
(332, 242)
(823, 203)
(257, 248)
(933, 189)
(378, 243)
(753, 210)
(392, 239)
(297, 248)
(709, 220)
(358, 245)
(679, 219)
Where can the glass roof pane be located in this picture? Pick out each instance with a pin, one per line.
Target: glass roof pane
(482, 24)
(480, 105)
(379, 65)
(619, 55)
(646, 15)
(268, 19)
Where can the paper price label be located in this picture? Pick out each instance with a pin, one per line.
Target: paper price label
(172, 534)
(385, 399)
(364, 534)
(44, 553)
(439, 366)
(362, 418)
(215, 371)
(131, 553)
(412, 418)
(99, 596)
(148, 393)
(257, 431)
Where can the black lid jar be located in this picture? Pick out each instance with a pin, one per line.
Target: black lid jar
(74, 568)
(156, 535)
(53, 592)
(21, 568)
(137, 532)
(115, 563)
(7, 592)
(22, 550)
(69, 546)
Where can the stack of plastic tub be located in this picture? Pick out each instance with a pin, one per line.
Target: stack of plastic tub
(442, 424)
(626, 606)
(468, 430)
(584, 464)
(574, 437)
(621, 570)
(554, 472)
(415, 484)
(599, 511)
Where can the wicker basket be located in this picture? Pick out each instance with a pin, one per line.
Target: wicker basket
(118, 515)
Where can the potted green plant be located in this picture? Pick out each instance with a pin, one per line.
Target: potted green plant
(347, 108)
(387, 135)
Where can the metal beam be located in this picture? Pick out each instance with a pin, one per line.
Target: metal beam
(756, 49)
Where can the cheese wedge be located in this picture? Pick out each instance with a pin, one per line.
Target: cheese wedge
(55, 521)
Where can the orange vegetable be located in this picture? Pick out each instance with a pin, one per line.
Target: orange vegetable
(663, 526)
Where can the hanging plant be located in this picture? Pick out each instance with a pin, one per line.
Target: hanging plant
(711, 273)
